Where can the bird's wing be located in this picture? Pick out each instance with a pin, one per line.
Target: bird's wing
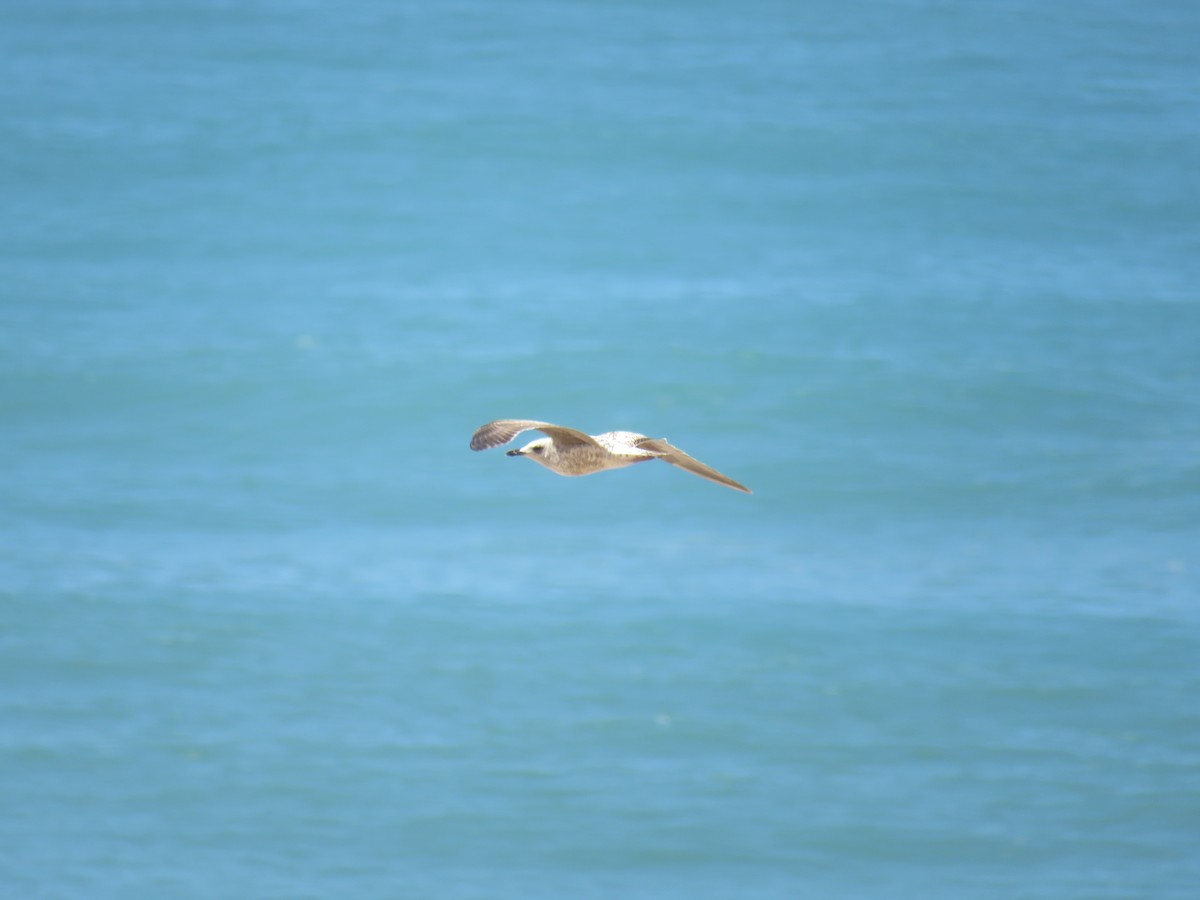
(676, 457)
(500, 432)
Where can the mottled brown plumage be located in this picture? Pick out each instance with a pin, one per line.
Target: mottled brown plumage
(571, 452)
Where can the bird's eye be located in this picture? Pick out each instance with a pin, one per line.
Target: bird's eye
(537, 449)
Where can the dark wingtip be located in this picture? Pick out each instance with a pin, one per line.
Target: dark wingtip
(479, 440)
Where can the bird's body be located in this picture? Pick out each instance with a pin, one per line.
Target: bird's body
(571, 452)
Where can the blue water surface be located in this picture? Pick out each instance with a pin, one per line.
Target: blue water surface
(922, 275)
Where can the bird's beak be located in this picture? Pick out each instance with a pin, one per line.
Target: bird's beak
(514, 453)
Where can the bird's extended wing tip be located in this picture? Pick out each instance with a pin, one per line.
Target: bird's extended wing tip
(499, 432)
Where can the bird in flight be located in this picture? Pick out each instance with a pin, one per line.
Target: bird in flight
(570, 452)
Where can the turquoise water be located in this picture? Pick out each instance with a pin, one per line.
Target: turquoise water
(922, 275)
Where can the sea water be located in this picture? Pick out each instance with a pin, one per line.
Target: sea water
(922, 275)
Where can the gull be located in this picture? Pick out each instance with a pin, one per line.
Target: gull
(571, 452)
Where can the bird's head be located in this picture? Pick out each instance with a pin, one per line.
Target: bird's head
(541, 450)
